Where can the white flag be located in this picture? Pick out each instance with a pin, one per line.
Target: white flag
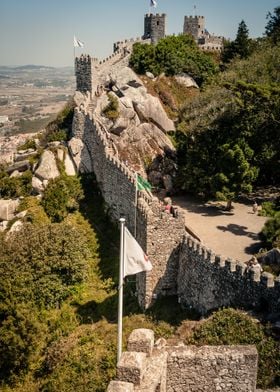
(78, 43)
(135, 260)
(153, 3)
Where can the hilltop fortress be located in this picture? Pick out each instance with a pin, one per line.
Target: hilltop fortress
(182, 266)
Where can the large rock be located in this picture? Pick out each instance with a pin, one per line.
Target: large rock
(8, 209)
(47, 168)
(80, 155)
(186, 80)
(70, 169)
(37, 185)
(150, 110)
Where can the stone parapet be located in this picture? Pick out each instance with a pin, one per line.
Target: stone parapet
(186, 368)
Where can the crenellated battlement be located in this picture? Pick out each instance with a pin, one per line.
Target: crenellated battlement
(207, 281)
(158, 367)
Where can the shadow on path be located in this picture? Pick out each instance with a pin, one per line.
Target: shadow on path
(239, 230)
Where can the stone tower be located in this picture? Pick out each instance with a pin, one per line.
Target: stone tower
(85, 71)
(154, 27)
(194, 25)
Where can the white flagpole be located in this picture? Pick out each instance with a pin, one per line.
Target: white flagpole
(120, 306)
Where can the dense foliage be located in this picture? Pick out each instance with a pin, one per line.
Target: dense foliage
(173, 55)
(241, 47)
(62, 196)
(271, 231)
(229, 139)
(231, 326)
(13, 187)
(273, 25)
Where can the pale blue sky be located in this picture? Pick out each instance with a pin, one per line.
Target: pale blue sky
(41, 31)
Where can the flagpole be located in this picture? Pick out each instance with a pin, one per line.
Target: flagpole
(120, 305)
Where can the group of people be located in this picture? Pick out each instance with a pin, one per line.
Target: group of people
(254, 265)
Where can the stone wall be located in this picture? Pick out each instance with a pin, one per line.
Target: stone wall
(159, 233)
(146, 367)
(154, 27)
(207, 282)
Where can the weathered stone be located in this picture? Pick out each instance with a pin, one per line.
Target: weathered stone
(78, 98)
(131, 367)
(54, 144)
(186, 80)
(21, 214)
(16, 226)
(150, 75)
(15, 173)
(120, 386)
(8, 209)
(80, 155)
(150, 110)
(70, 169)
(141, 340)
(3, 225)
(47, 168)
(60, 154)
(37, 185)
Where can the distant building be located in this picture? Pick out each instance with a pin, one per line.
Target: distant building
(195, 26)
(4, 119)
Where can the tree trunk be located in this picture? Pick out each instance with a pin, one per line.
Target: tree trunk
(229, 205)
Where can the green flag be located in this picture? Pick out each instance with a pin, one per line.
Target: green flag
(143, 184)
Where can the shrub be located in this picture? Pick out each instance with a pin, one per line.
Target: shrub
(62, 196)
(111, 110)
(271, 230)
(30, 143)
(231, 326)
(13, 187)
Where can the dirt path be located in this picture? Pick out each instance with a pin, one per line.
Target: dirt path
(230, 234)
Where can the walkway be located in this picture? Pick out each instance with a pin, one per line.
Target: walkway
(230, 234)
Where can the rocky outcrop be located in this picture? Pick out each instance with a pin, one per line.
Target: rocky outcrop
(47, 168)
(186, 80)
(80, 155)
(8, 209)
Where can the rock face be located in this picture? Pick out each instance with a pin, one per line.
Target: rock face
(186, 80)
(8, 209)
(139, 131)
(69, 165)
(47, 168)
(80, 155)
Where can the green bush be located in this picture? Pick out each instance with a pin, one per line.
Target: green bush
(61, 196)
(231, 327)
(111, 110)
(30, 143)
(13, 187)
(271, 231)
(173, 55)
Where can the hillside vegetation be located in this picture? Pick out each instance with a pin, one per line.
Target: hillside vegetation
(58, 273)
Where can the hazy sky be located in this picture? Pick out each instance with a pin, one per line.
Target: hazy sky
(41, 31)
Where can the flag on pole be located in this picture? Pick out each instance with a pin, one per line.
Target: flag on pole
(153, 3)
(78, 43)
(143, 184)
(135, 259)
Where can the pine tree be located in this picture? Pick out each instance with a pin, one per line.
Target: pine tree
(272, 29)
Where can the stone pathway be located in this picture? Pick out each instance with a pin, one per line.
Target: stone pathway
(230, 234)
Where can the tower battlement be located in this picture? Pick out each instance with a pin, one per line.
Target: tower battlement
(154, 27)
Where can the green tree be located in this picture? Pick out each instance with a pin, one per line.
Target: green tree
(241, 46)
(272, 29)
(62, 196)
(173, 55)
(271, 231)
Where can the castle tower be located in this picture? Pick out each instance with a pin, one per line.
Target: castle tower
(85, 72)
(154, 27)
(194, 25)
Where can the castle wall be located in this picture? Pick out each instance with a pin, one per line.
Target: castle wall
(207, 282)
(194, 25)
(161, 368)
(159, 233)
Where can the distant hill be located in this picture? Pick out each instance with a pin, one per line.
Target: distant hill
(32, 67)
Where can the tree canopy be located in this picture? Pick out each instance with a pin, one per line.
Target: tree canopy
(272, 29)
(173, 55)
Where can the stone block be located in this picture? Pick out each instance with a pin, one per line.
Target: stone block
(120, 386)
(141, 340)
(131, 367)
